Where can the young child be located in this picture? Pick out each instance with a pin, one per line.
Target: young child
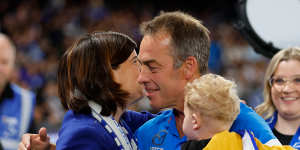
(210, 108)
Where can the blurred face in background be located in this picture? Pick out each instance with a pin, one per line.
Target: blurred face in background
(127, 75)
(7, 59)
(285, 90)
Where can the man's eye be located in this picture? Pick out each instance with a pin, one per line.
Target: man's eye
(153, 69)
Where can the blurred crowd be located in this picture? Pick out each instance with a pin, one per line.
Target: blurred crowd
(43, 30)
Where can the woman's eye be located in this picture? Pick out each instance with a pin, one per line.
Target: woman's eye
(297, 80)
(278, 81)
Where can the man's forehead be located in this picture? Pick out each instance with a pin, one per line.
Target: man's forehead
(161, 37)
(145, 57)
(155, 48)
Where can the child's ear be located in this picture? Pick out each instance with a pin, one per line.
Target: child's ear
(196, 121)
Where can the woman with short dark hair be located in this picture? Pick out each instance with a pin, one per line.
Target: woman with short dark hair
(97, 80)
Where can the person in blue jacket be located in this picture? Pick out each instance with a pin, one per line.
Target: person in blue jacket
(16, 103)
(281, 106)
(174, 51)
(97, 80)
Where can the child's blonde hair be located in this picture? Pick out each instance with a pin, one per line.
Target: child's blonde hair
(213, 96)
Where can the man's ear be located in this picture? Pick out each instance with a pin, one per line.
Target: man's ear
(190, 67)
(196, 121)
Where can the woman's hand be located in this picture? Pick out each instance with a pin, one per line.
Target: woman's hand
(39, 141)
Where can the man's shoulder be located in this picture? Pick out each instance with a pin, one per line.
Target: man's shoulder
(161, 118)
(130, 115)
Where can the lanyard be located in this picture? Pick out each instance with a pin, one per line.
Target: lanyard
(295, 142)
(113, 127)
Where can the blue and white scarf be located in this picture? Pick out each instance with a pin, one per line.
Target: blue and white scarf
(114, 128)
(295, 142)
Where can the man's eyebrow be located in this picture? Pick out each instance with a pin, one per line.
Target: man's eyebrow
(148, 62)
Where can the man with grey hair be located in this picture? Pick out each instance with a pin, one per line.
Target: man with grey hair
(16, 103)
(173, 52)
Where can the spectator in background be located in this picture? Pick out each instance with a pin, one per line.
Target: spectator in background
(16, 103)
(281, 106)
(210, 108)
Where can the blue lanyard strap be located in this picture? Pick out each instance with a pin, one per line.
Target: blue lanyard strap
(295, 142)
(115, 129)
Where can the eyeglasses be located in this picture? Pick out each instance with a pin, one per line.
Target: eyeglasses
(279, 82)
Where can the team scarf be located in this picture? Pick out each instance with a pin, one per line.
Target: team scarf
(115, 129)
(295, 142)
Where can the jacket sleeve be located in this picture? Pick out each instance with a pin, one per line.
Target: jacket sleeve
(82, 138)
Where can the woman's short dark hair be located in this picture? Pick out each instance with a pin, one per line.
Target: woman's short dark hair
(85, 72)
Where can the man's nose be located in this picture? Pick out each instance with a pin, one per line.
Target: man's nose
(142, 78)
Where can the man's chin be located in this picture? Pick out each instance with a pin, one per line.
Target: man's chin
(154, 105)
(2, 84)
(137, 99)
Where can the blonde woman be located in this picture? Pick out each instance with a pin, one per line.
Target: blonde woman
(281, 106)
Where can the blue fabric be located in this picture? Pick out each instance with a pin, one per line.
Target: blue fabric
(215, 57)
(295, 142)
(16, 114)
(250, 120)
(251, 142)
(83, 132)
(161, 133)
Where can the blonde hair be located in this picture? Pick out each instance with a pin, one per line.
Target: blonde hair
(213, 96)
(267, 108)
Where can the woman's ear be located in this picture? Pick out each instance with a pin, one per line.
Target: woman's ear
(190, 67)
(196, 121)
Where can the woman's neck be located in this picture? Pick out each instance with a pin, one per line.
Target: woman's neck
(285, 126)
(118, 114)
